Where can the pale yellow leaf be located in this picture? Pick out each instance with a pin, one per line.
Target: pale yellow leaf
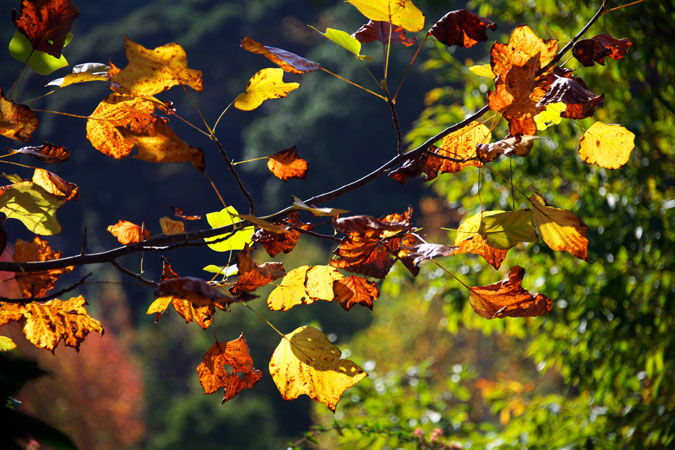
(608, 146)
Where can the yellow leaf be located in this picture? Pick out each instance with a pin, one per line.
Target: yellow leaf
(469, 240)
(549, 116)
(303, 286)
(237, 240)
(159, 305)
(608, 146)
(6, 344)
(398, 12)
(318, 212)
(483, 70)
(306, 363)
(344, 40)
(264, 85)
(560, 229)
(320, 282)
(150, 72)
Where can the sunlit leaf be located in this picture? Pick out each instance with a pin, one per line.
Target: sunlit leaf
(56, 185)
(469, 240)
(344, 40)
(572, 91)
(17, 121)
(523, 45)
(150, 72)
(128, 232)
(504, 230)
(549, 116)
(83, 73)
(229, 366)
(225, 243)
(36, 284)
(286, 164)
(379, 31)
(519, 146)
(559, 228)
(7, 344)
(462, 28)
(253, 275)
(508, 298)
(226, 271)
(264, 85)
(355, 290)
(318, 212)
(397, 12)
(306, 363)
(608, 146)
(483, 70)
(461, 144)
(46, 23)
(412, 247)
(289, 62)
(33, 206)
(303, 286)
(47, 152)
(590, 51)
(284, 241)
(41, 62)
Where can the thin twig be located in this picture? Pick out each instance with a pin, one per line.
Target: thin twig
(405, 74)
(312, 233)
(49, 297)
(234, 172)
(132, 274)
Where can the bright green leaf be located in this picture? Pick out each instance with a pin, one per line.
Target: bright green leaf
(344, 40)
(237, 240)
(33, 206)
(507, 229)
(42, 63)
(483, 70)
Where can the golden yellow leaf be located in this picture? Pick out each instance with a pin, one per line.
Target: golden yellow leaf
(306, 363)
(469, 240)
(150, 72)
(523, 45)
(462, 145)
(608, 146)
(11, 312)
(264, 85)
(560, 229)
(303, 286)
(170, 226)
(319, 282)
(36, 284)
(397, 12)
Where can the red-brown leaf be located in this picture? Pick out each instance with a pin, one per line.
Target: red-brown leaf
(234, 355)
(355, 290)
(286, 164)
(573, 92)
(275, 243)
(178, 212)
(379, 31)
(252, 275)
(46, 23)
(17, 121)
(289, 62)
(508, 298)
(462, 28)
(589, 51)
(416, 249)
(36, 284)
(196, 291)
(47, 152)
(363, 255)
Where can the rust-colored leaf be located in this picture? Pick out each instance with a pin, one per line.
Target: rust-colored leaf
(595, 49)
(229, 366)
(355, 290)
(170, 226)
(459, 145)
(289, 62)
(379, 31)
(56, 185)
(47, 152)
(523, 45)
(469, 240)
(252, 275)
(508, 298)
(275, 243)
(36, 284)
(286, 164)
(573, 92)
(46, 23)
(519, 146)
(150, 72)
(128, 232)
(363, 255)
(195, 290)
(17, 121)
(462, 28)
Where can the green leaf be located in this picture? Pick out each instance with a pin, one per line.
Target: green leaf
(6, 344)
(33, 206)
(507, 229)
(237, 240)
(42, 63)
(222, 270)
(344, 40)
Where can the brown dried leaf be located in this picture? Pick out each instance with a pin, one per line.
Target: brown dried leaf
(178, 212)
(17, 121)
(46, 23)
(572, 91)
(414, 248)
(508, 298)
(195, 290)
(170, 226)
(590, 51)
(275, 243)
(36, 284)
(252, 275)
(286, 164)
(462, 28)
(379, 31)
(47, 152)
(289, 62)
(128, 232)
(229, 366)
(519, 146)
(355, 290)
(363, 255)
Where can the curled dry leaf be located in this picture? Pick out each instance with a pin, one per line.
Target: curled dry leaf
(128, 232)
(195, 290)
(316, 211)
(608, 146)
(47, 152)
(275, 243)
(508, 298)
(170, 226)
(519, 146)
(45, 325)
(264, 85)
(462, 28)
(355, 290)
(83, 73)
(469, 240)
(178, 212)
(37, 284)
(306, 363)
(379, 31)
(574, 93)
(560, 229)
(228, 365)
(252, 275)
(590, 51)
(56, 185)
(415, 249)
(286, 164)
(289, 62)
(150, 72)
(17, 121)
(397, 12)
(303, 286)
(46, 23)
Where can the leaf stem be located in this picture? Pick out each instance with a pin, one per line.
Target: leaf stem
(215, 125)
(452, 275)
(265, 320)
(236, 163)
(213, 185)
(409, 66)
(353, 84)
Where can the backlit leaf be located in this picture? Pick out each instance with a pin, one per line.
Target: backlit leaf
(549, 116)
(17, 121)
(289, 62)
(46, 23)
(319, 283)
(306, 363)
(461, 144)
(363, 255)
(590, 51)
(229, 366)
(47, 152)
(36, 284)
(355, 290)
(275, 243)
(170, 226)
(559, 228)
(416, 249)
(150, 72)
(252, 275)
(221, 270)
(128, 232)
(469, 240)
(56, 185)
(6, 344)
(303, 286)
(508, 298)
(264, 85)
(344, 40)
(504, 230)
(397, 12)
(523, 45)
(483, 70)
(83, 73)
(572, 91)
(608, 146)
(32, 205)
(379, 31)
(286, 164)
(519, 146)
(40, 62)
(235, 241)
(462, 28)
(318, 212)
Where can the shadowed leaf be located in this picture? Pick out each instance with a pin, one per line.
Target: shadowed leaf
(379, 31)
(170, 226)
(46, 23)
(275, 243)
(37, 284)
(289, 62)
(462, 28)
(590, 51)
(17, 121)
(504, 230)
(47, 152)
(574, 93)
(32, 205)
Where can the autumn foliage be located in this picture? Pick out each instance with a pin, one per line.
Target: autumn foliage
(531, 89)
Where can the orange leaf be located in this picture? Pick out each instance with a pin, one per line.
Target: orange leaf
(47, 152)
(363, 255)
(589, 51)
(195, 290)
(523, 45)
(462, 28)
(129, 233)
(56, 185)
(286, 164)
(36, 284)
(150, 72)
(379, 31)
(508, 298)
(11, 312)
(17, 121)
(355, 290)
(46, 23)
(289, 62)
(178, 212)
(252, 275)
(275, 243)
(229, 366)
(170, 226)
(461, 145)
